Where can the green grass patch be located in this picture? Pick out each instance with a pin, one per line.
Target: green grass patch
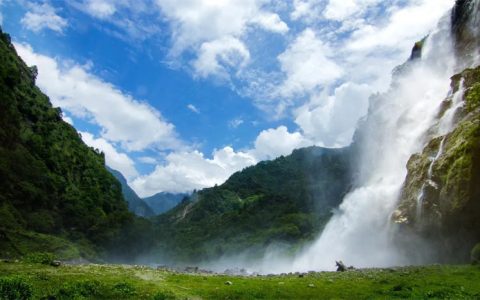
(38, 281)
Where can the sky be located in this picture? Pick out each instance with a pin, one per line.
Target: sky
(180, 94)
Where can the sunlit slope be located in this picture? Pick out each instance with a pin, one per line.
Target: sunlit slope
(281, 202)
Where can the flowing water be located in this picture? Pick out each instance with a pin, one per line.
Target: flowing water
(398, 121)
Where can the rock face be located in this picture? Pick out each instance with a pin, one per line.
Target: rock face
(440, 200)
(465, 24)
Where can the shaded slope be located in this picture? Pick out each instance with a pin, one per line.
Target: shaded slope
(135, 203)
(50, 181)
(163, 202)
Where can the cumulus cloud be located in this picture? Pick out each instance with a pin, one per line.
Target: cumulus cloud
(306, 10)
(214, 31)
(186, 171)
(43, 16)
(100, 8)
(113, 158)
(333, 123)
(123, 119)
(216, 56)
(402, 27)
(308, 65)
(196, 22)
(272, 143)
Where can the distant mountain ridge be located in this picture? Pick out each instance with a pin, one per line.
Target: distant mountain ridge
(135, 203)
(163, 202)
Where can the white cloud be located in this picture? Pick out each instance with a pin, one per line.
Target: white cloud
(67, 118)
(197, 21)
(186, 171)
(308, 65)
(114, 159)
(193, 108)
(271, 22)
(404, 26)
(235, 123)
(306, 10)
(43, 16)
(123, 119)
(341, 10)
(215, 32)
(272, 143)
(100, 8)
(215, 57)
(333, 123)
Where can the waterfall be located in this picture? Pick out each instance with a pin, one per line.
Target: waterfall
(445, 125)
(396, 127)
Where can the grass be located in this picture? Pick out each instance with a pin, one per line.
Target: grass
(137, 282)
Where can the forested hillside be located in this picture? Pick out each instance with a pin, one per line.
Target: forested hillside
(55, 193)
(287, 201)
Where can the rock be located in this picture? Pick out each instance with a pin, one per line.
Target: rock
(340, 266)
(311, 285)
(191, 270)
(56, 263)
(228, 283)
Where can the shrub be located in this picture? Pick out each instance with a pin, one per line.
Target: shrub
(15, 288)
(124, 289)
(79, 290)
(40, 258)
(476, 254)
(164, 295)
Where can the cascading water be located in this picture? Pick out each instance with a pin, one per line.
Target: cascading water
(396, 127)
(445, 125)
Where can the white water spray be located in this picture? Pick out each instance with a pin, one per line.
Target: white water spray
(359, 233)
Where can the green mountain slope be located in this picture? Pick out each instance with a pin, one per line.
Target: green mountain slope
(287, 200)
(135, 203)
(163, 202)
(51, 183)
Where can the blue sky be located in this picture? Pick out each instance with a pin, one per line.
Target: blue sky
(181, 94)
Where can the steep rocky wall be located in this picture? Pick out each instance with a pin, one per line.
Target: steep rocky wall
(440, 200)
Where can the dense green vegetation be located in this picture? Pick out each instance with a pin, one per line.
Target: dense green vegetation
(287, 201)
(38, 281)
(55, 193)
(135, 203)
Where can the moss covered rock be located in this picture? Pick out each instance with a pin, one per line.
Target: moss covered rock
(443, 207)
